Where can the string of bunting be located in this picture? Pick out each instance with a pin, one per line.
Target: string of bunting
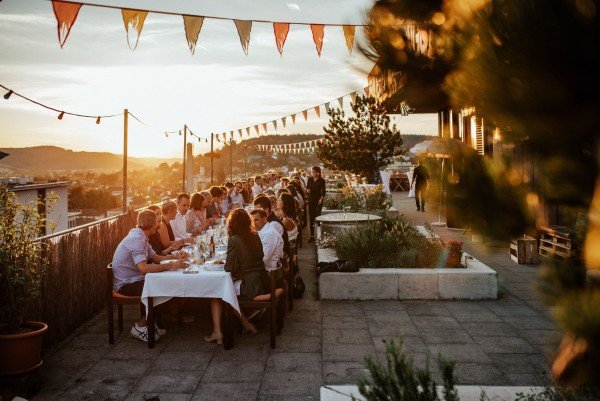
(293, 148)
(66, 12)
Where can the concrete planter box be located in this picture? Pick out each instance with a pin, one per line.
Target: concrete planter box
(391, 212)
(477, 281)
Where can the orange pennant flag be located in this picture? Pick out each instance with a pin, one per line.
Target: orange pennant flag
(66, 14)
(244, 27)
(265, 127)
(305, 114)
(318, 111)
(281, 30)
(318, 31)
(192, 26)
(293, 119)
(134, 20)
(349, 35)
(367, 90)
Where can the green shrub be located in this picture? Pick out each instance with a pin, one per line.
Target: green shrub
(400, 380)
(563, 394)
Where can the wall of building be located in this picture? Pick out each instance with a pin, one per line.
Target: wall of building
(59, 215)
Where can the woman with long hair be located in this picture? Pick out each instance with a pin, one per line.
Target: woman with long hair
(195, 219)
(165, 232)
(287, 206)
(245, 263)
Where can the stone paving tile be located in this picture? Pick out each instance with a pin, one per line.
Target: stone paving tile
(467, 316)
(404, 329)
(169, 381)
(162, 397)
(461, 352)
(521, 379)
(342, 336)
(347, 352)
(294, 362)
(410, 344)
(295, 343)
(477, 373)
(529, 323)
(343, 372)
(430, 323)
(447, 337)
(345, 322)
(506, 345)
(520, 363)
(291, 383)
(425, 308)
(277, 397)
(226, 392)
(169, 360)
(233, 371)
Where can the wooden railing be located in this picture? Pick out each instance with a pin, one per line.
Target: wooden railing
(74, 287)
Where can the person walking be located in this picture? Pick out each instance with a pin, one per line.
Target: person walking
(315, 188)
(421, 178)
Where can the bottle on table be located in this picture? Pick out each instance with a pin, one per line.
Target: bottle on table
(211, 246)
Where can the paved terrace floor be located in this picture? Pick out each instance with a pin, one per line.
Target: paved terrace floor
(500, 342)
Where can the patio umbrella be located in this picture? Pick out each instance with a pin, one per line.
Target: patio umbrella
(442, 149)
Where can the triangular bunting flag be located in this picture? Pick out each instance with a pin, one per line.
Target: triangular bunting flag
(283, 121)
(341, 102)
(327, 107)
(224, 135)
(349, 35)
(256, 128)
(231, 135)
(244, 27)
(192, 26)
(66, 14)
(318, 111)
(281, 30)
(135, 20)
(240, 133)
(248, 131)
(353, 96)
(305, 114)
(318, 31)
(275, 124)
(265, 127)
(293, 119)
(367, 88)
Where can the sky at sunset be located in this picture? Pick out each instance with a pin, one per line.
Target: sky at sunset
(218, 89)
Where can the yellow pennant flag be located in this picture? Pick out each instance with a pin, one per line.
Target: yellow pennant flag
(318, 111)
(281, 30)
(349, 35)
(192, 26)
(134, 20)
(318, 31)
(305, 114)
(66, 14)
(244, 27)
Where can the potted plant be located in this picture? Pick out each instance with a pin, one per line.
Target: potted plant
(453, 253)
(22, 266)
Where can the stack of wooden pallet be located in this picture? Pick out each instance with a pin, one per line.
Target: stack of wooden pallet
(555, 241)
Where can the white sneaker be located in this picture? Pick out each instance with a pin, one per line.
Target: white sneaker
(141, 333)
(158, 331)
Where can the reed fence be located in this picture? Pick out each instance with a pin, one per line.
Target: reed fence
(74, 287)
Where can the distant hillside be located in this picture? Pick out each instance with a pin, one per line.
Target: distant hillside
(52, 158)
(408, 141)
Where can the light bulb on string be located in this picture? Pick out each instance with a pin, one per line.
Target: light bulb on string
(179, 132)
(61, 115)
(98, 120)
(7, 94)
(166, 135)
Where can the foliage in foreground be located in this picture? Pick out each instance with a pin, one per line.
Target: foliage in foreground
(401, 380)
(562, 394)
(389, 243)
(21, 263)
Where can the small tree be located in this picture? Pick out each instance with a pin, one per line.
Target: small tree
(360, 144)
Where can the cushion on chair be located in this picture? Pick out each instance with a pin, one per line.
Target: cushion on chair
(120, 297)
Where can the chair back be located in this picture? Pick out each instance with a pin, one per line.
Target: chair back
(109, 280)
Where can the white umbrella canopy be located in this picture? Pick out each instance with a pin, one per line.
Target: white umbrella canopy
(442, 148)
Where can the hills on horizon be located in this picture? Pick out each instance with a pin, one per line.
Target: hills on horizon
(35, 159)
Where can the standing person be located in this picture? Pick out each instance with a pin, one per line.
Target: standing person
(133, 258)
(315, 189)
(178, 224)
(421, 177)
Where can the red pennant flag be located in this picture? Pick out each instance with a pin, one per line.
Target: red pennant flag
(318, 111)
(281, 30)
(66, 14)
(305, 114)
(318, 31)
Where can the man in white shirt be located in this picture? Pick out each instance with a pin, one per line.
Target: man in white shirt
(236, 197)
(178, 224)
(257, 187)
(271, 240)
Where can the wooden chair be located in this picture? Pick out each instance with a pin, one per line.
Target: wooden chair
(272, 302)
(290, 269)
(114, 298)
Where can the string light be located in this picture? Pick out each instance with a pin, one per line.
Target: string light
(7, 95)
(98, 120)
(61, 115)
(166, 135)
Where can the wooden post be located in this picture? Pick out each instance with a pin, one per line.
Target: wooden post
(231, 159)
(212, 159)
(184, 155)
(125, 128)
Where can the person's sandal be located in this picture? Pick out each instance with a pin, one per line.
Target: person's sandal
(249, 327)
(214, 337)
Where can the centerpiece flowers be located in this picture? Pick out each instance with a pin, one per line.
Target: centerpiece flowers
(454, 253)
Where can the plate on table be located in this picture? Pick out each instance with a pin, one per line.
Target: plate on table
(166, 262)
(210, 267)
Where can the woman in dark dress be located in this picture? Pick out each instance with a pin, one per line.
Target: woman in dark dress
(156, 242)
(244, 262)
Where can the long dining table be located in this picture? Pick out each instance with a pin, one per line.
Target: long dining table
(198, 281)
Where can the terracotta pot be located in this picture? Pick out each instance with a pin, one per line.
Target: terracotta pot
(21, 352)
(453, 259)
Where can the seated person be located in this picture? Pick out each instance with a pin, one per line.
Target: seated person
(133, 258)
(245, 262)
(272, 242)
(236, 198)
(178, 224)
(165, 232)
(195, 219)
(155, 241)
(213, 210)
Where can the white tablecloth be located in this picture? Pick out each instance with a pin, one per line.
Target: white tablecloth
(411, 193)
(385, 181)
(205, 284)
